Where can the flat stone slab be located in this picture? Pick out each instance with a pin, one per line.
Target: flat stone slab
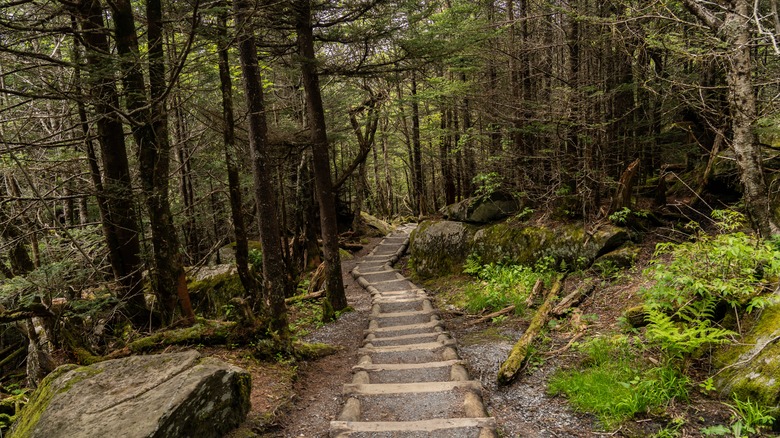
(156, 396)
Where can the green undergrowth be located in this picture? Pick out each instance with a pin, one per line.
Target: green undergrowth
(500, 285)
(699, 295)
(615, 382)
(700, 288)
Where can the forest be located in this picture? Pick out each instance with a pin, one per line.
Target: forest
(140, 138)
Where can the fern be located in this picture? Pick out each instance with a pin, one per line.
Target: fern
(679, 339)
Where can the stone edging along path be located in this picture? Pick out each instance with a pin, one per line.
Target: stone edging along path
(409, 380)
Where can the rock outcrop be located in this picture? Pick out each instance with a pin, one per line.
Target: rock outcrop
(750, 369)
(164, 395)
(440, 247)
(483, 209)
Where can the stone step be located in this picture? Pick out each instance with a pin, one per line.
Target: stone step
(383, 276)
(406, 388)
(483, 427)
(400, 330)
(370, 348)
(383, 373)
(413, 338)
(401, 319)
(413, 356)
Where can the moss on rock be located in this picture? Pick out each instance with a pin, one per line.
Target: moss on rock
(38, 403)
(566, 247)
(751, 368)
(211, 295)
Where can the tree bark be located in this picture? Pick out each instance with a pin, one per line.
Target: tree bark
(115, 192)
(418, 178)
(734, 29)
(334, 286)
(275, 282)
(150, 131)
(234, 182)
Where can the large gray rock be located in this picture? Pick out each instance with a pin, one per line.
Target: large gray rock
(483, 209)
(164, 395)
(440, 247)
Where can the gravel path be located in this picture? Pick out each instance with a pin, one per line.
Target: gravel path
(409, 380)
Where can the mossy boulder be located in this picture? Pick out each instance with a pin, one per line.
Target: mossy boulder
(621, 258)
(564, 247)
(166, 395)
(227, 253)
(751, 368)
(483, 209)
(212, 288)
(380, 227)
(440, 247)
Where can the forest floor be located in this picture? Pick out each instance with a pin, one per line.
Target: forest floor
(299, 399)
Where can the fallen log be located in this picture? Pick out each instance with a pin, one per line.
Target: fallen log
(574, 298)
(299, 298)
(490, 316)
(537, 289)
(350, 246)
(519, 354)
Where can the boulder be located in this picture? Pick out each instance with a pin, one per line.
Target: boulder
(227, 253)
(440, 247)
(483, 209)
(165, 395)
(381, 227)
(751, 367)
(565, 247)
(621, 258)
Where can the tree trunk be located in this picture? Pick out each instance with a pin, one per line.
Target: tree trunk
(150, 131)
(234, 182)
(115, 192)
(419, 179)
(735, 31)
(275, 281)
(334, 286)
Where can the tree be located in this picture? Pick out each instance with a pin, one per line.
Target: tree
(149, 120)
(114, 190)
(334, 286)
(276, 284)
(733, 26)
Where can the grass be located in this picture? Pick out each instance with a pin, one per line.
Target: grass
(499, 286)
(616, 383)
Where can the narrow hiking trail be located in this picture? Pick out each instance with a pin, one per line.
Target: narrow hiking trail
(409, 380)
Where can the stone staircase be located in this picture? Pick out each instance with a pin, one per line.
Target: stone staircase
(409, 381)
